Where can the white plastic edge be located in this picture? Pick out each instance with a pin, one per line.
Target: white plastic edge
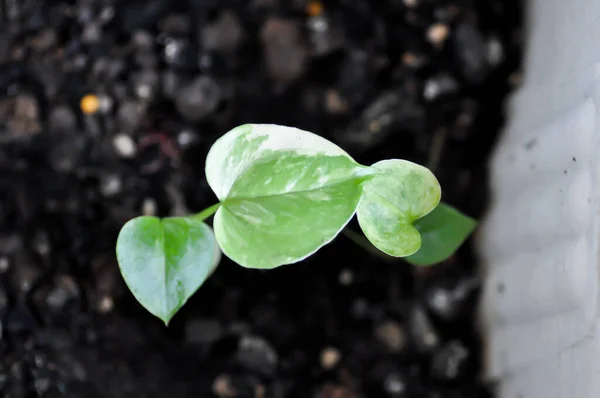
(539, 242)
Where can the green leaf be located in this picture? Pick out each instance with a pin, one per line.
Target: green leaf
(392, 201)
(443, 231)
(285, 193)
(164, 261)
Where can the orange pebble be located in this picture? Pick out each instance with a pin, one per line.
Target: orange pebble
(314, 8)
(89, 104)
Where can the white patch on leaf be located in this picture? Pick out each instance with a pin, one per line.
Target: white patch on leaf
(228, 158)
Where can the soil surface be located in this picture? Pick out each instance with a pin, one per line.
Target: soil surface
(107, 111)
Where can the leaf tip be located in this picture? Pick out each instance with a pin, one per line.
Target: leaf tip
(167, 316)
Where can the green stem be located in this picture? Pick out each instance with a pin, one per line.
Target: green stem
(366, 245)
(209, 211)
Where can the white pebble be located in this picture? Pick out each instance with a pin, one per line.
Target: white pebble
(4, 264)
(346, 277)
(124, 145)
(149, 207)
(432, 90)
(106, 103)
(495, 52)
(106, 304)
(330, 357)
(111, 185)
(185, 138)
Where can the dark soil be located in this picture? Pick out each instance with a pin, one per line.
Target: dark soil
(423, 80)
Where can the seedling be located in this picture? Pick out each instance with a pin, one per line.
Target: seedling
(283, 194)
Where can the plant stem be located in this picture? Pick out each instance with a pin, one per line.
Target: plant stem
(366, 245)
(209, 211)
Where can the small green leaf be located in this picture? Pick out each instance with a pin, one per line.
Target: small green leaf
(164, 261)
(392, 201)
(285, 193)
(442, 232)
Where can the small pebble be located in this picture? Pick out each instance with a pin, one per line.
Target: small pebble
(440, 300)
(392, 335)
(106, 14)
(330, 357)
(130, 115)
(222, 387)
(64, 290)
(124, 145)
(495, 53)
(438, 86)
(92, 33)
(314, 8)
(334, 103)
(62, 120)
(421, 330)
(437, 34)
(179, 53)
(395, 385)
(149, 207)
(448, 300)
(21, 114)
(324, 36)
(110, 185)
(471, 51)
(285, 54)
(257, 354)
(41, 385)
(105, 304)
(198, 99)
(89, 104)
(145, 84)
(224, 34)
(142, 39)
(186, 137)
(4, 264)
(346, 277)
(41, 243)
(447, 363)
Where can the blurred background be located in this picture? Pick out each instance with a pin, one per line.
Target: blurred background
(107, 111)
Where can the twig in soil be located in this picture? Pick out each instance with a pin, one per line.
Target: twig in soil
(436, 149)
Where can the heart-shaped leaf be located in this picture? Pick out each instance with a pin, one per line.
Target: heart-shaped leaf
(442, 232)
(392, 201)
(164, 261)
(284, 193)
